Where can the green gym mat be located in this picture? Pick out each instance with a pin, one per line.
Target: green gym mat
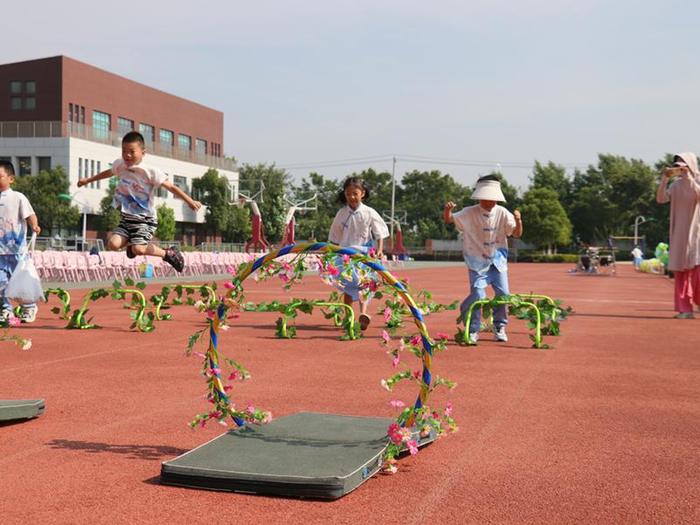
(306, 455)
(21, 409)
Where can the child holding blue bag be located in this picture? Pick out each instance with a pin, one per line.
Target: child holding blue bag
(356, 225)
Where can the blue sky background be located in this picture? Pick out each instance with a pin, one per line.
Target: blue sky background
(499, 82)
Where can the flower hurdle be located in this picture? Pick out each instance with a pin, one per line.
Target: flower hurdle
(218, 392)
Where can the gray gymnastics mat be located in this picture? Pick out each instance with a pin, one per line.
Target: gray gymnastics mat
(21, 409)
(306, 455)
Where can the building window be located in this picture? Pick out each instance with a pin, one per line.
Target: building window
(30, 103)
(15, 86)
(80, 168)
(70, 112)
(82, 114)
(44, 163)
(201, 146)
(180, 182)
(99, 164)
(148, 132)
(30, 87)
(15, 103)
(124, 126)
(184, 142)
(25, 165)
(166, 137)
(101, 125)
(161, 191)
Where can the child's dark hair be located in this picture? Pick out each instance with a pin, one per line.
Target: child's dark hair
(489, 177)
(134, 136)
(9, 168)
(353, 181)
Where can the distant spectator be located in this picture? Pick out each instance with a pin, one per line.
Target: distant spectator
(684, 238)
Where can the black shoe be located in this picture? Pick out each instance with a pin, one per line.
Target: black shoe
(174, 258)
(129, 253)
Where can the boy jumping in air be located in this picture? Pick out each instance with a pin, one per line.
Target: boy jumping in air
(133, 197)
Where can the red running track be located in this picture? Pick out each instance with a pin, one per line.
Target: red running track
(603, 428)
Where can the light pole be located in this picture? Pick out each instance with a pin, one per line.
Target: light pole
(640, 219)
(393, 199)
(69, 197)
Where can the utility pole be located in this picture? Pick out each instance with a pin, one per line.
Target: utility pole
(393, 199)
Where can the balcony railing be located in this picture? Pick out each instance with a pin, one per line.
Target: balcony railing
(55, 128)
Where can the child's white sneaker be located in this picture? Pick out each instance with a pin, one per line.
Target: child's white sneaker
(28, 314)
(500, 334)
(5, 315)
(473, 338)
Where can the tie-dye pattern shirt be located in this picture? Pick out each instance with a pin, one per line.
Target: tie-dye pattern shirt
(136, 188)
(485, 236)
(14, 211)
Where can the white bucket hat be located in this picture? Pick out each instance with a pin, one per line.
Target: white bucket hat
(488, 190)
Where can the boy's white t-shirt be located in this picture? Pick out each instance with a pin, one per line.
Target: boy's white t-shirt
(357, 228)
(136, 188)
(14, 211)
(485, 236)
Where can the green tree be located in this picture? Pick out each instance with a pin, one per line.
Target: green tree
(423, 195)
(43, 190)
(166, 223)
(214, 192)
(273, 206)
(316, 224)
(544, 219)
(109, 216)
(551, 176)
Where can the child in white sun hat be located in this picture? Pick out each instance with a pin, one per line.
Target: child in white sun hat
(486, 227)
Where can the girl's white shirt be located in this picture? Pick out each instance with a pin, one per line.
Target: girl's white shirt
(357, 228)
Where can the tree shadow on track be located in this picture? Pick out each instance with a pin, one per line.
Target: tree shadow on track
(130, 451)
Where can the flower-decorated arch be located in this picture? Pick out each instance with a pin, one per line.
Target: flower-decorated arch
(221, 398)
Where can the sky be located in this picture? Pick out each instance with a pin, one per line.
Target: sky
(461, 86)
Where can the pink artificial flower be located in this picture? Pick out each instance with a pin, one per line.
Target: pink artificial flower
(284, 277)
(215, 414)
(346, 258)
(211, 314)
(231, 270)
(416, 374)
(216, 371)
(234, 375)
(442, 335)
(387, 314)
(412, 447)
(228, 388)
(394, 433)
(27, 344)
(397, 403)
(373, 286)
(202, 423)
(267, 417)
(386, 337)
(395, 361)
(332, 270)
(372, 252)
(287, 267)
(14, 321)
(229, 285)
(391, 468)
(415, 340)
(448, 409)
(250, 409)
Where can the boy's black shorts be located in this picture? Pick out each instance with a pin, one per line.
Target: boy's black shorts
(137, 230)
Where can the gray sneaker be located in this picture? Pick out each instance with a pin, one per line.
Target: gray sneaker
(28, 314)
(500, 334)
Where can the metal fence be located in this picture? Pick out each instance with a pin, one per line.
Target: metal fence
(55, 128)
